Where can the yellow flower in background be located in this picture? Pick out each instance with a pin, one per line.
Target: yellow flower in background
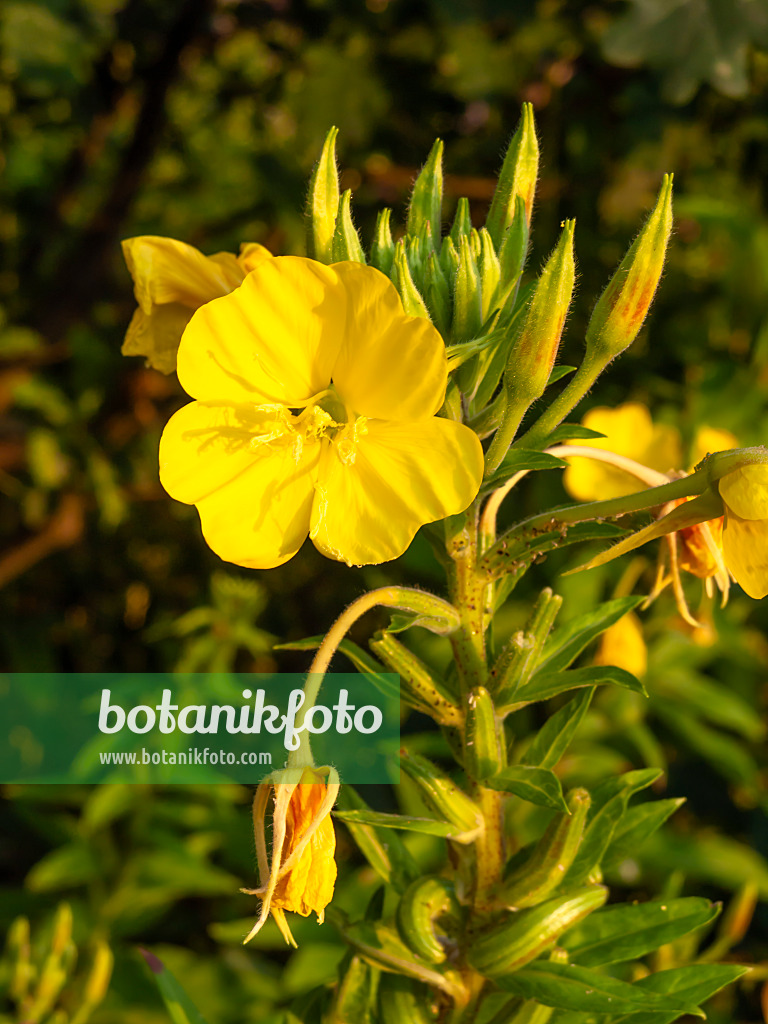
(745, 530)
(315, 414)
(629, 431)
(302, 872)
(171, 280)
(623, 645)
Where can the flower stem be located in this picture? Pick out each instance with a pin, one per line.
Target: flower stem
(569, 397)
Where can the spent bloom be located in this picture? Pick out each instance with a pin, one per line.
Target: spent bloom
(315, 414)
(745, 527)
(301, 873)
(170, 281)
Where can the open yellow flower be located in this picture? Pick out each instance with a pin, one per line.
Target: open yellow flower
(745, 530)
(171, 280)
(315, 414)
(302, 871)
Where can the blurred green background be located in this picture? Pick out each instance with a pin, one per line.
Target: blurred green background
(201, 120)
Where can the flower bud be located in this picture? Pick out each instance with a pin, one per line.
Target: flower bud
(521, 937)
(516, 663)
(419, 687)
(484, 754)
(383, 248)
(346, 244)
(517, 178)
(462, 222)
(623, 306)
(437, 294)
(443, 795)
(413, 303)
(490, 272)
(514, 249)
(449, 259)
(467, 296)
(427, 199)
(422, 903)
(99, 978)
(323, 202)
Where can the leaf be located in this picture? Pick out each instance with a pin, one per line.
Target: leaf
(637, 825)
(570, 987)
(597, 836)
(567, 642)
(628, 783)
(427, 826)
(558, 372)
(180, 1007)
(360, 658)
(712, 701)
(696, 982)
(571, 432)
(627, 932)
(383, 848)
(66, 866)
(709, 858)
(544, 685)
(519, 460)
(538, 786)
(725, 754)
(552, 740)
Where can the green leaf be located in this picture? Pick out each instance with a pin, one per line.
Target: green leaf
(383, 848)
(725, 754)
(180, 1007)
(597, 836)
(558, 372)
(637, 825)
(570, 987)
(552, 740)
(571, 432)
(427, 826)
(628, 783)
(64, 867)
(519, 460)
(710, 700)
(361, 659)
(538, 786)
(569, 641)
(696, 982)
(709, 858)
(627, 932)
(544, 685)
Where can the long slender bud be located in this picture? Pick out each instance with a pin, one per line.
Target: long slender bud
(517, 178)
(427, 199)
(346, 244)
(323, 202)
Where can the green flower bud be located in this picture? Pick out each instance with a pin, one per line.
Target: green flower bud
(490, 273)
(323, 202)
(414, 251)
(514, 249)
(346, 244)
(517, 178)
(521, 937)
(553, 855)
(449, 259)
(427, 199)
(484, 753)
(413, 303)
(400, 1002)
(437, 295)
(421, 905)
(462, 222)
(443, 795)
(467, 296)
(382, 247)
(623, 306)
(418, 685)
(516, 663)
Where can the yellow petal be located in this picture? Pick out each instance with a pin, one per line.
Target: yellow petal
(745, 546)
(251, 255)
(403, 475)
(390, 366)
(745, 491)
(254, 496)
(709, 440)
(165, 270)
(623, 645)
(630, 431)
(156, 335)
(275, 339)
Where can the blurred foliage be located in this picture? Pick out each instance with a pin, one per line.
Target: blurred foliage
(201, 120)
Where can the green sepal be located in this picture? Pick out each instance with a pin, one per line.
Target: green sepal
(422, 904)
(517, 662)
(413, 303)
(427, 199)
(323, 202)
(419, 686)
(462, 222)
(484, 749)
(518, 176)
(524, 935)
(383, 247)
(346, 244)
(467, 296)
(442, 794)
(551, 858)
(437, 295)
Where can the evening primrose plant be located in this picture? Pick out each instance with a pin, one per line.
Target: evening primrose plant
(365, 391)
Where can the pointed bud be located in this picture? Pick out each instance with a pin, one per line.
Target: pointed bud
(490, 272)
(346, 244)
(323, 202)
(517, 178)
(414, 250)
(413, 303)
(99, 978)
(438, 295)
(514, 249)
(484, 753)
(621, 309)
(427, 199)
(516, 663)
(443, 795)
(449, 259)
(467, 296)
(383, 248)
(462, 222)
(419, 686)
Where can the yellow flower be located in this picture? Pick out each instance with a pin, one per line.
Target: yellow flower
(629, 431)
(171, 280)
(315, 414)
(302, 872)
(623, 645)
(745, 531)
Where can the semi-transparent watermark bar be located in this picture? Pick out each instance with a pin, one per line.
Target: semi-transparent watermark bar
(193, 728)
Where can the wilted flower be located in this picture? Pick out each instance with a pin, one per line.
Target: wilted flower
(302, 871)
(745, 530)
(170, 281)
(315, 414)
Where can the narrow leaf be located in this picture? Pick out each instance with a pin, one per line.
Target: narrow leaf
(536, 785)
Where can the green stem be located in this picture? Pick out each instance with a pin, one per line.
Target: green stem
(502, 439)
(569, 397)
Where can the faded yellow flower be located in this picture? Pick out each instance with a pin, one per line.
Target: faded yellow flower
(745, 530)
(623, 645)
